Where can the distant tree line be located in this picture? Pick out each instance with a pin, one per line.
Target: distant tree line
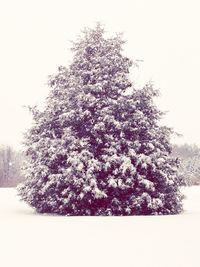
(189, 156)
(10, 166)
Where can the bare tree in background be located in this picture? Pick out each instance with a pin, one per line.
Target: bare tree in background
(189, 156)
(10, 165)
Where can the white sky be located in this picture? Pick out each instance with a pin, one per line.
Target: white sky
(34, 41)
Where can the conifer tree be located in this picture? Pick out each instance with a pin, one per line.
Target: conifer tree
(97, 147)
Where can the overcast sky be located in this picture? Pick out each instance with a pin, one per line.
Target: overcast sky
(35, 40)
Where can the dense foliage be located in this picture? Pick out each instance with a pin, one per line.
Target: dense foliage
(97, 148)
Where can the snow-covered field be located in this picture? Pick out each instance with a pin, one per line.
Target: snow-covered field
(28, 239)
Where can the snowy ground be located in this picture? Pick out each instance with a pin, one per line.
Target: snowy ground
(28, 239)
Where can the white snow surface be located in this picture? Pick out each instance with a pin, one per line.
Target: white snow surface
(29, 239)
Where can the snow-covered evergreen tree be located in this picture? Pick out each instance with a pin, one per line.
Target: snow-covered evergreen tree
(96, 149)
